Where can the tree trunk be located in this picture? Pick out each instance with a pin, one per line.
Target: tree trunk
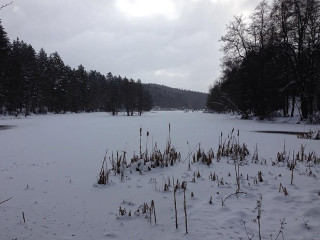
(304, 106)
(293, 105)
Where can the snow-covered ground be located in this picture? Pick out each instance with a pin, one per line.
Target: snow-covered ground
(49, 166)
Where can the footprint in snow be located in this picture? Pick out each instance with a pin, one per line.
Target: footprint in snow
(111, 235)
(312, 212)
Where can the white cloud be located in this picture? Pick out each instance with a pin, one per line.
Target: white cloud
(168, 73)
(171, 42)
(147, 8)
(15, 9)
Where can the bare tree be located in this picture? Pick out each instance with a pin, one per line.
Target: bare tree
(236, 39)
(5, 5)
(260, 25)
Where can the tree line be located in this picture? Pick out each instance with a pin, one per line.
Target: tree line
(271, 62)
(172, 98)
(33, 82)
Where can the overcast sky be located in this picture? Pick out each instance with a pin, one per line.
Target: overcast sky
(170, 42)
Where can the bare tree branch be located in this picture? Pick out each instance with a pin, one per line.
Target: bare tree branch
(5, 5)
(6, 200)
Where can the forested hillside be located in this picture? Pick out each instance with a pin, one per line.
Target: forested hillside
(271, 61)
(173, 98)
(33, 82)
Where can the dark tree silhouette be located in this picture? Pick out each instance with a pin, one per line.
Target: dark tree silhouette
(38, 83)
(272, 62)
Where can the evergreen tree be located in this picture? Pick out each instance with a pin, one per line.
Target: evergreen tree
(36, 83)
(4, 66)
(57, 84)
(42, 62)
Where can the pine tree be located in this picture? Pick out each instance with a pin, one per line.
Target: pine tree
(4, 65)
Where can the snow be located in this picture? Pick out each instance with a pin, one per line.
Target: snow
(49, 165)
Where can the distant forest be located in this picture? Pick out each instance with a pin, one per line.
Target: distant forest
(271, 63)
(38, 83)
(171, 98)
(33, 82)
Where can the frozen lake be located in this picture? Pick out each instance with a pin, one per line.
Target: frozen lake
(49, 165)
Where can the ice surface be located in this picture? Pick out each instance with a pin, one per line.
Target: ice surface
(49, 166)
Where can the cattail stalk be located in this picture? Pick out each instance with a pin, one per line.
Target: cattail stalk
(175, 205)
(185, 210)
